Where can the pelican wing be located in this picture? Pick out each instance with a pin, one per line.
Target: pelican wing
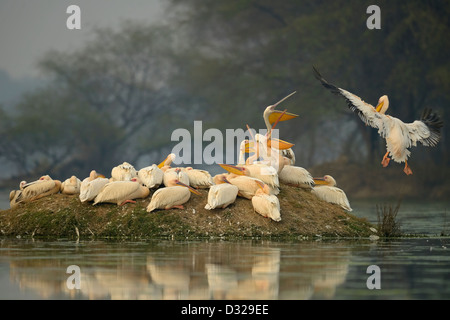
(333, 195)
(117, 191)
(37, 188)
(90, 189)
(426, 130)
(364, 110)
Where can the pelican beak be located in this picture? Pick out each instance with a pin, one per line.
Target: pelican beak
(250, 147)
(100, 176)
(279, 144)
(193, 190)
(260, 184)
(379, 106)
(31, 183)
(320, 181)
(232, 169)
(224, 179)
(162, 163)
(283, 99)
(281, 116)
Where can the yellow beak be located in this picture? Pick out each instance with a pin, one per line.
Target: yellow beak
(164, 161)
(282, 117)
(193, 190)
(232, 169)
(279, 144)
(320, 181)
(379, 106)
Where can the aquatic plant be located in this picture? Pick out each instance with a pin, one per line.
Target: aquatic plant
(388, 225)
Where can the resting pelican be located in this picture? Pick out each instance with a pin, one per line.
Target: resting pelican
(71, 186)
(170, 197)
(91, 186)
(248, 186)
(198, 178)
(43, 187)
(326, 190)
(123, 172)
(222, 194)
(263, 172)
(14, 198)
(122, 192)
(399, 136)
(172, 174)
(296, 176)
(168, 161)
(266, 205)
(151, 176)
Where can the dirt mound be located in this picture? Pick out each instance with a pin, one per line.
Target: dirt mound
(62, 216)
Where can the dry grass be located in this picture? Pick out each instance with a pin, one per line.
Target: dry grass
(388, 226)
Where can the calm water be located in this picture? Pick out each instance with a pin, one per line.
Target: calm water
(413, 268)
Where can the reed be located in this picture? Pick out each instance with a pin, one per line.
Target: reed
(388, 226)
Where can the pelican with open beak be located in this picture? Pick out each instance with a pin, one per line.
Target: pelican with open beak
(173, 196)
(325, 189)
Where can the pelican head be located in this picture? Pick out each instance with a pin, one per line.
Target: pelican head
(326, 180)
(383, 104)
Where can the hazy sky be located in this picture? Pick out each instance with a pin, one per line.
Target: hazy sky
(28, 29)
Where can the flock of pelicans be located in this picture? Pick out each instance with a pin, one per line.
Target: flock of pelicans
(256, 177)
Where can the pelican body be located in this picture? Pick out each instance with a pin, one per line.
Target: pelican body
(326, 190)
(121, 192)
(43, 187)
(123, 172)
(171, 175)
(266, 205)
(91, 186)
(151, 176)
(173, 196)
(71, 186)
(399, 136)
(221, 195)
(296, 176)
(198, 178)
(248, 186)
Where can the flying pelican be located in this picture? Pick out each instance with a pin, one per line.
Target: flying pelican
(123, 172)
(222, 194)
(266, 205)
(43, 187)
(91, 186)
(296, 176)
(151, 176)
(399, 135)
(198, 178)
(172, 174)
(71, 186)
(122, 192)
(173, 196)
(325, 189)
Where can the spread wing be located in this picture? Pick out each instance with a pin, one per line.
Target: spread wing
(427, 130)
(364, 110)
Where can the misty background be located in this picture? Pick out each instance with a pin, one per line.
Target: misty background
(114, 91)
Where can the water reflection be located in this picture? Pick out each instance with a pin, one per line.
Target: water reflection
(175, 270)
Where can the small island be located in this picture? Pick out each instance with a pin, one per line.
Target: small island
(303, 216)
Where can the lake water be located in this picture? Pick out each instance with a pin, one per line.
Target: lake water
(408, 268)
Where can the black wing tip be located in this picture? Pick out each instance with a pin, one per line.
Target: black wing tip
(324, 82)
(431, 119)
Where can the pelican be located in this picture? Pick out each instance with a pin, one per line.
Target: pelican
(289, 154)
(326, 190)
(71, 186)
(272, 155)
(248, 186)
(271, 115)
(399, 136)
(266, 205)
(91, 186)
(222, 194)
(261, 171)
(172, 174)
(43, 187)
(122, 192)
(198, 178)
(151, 176)
(173, 196)
(14, 198)
(168, 161)
(123, 172)
(296, 176)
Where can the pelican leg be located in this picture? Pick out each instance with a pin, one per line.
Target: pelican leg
(407, 169)
(127, 201)
(385, 160)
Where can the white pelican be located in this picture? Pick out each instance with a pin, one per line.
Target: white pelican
(263, 172)
(71, 186)
(167, 161)
(122, 192)
(91, 186)
(198, 178)
(289, 154)
(271, 115)
(296, 176)
(248, 186)
(170, 197)
(123, 172)
(325, 189)
(14, 198)
(151, 176)
(43, 187)
(172, 174)
(399, 135)
(266, 205)
(222, 194)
